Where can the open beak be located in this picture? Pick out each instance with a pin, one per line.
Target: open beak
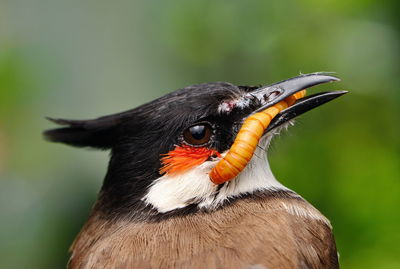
(286, 88)
(303, 105)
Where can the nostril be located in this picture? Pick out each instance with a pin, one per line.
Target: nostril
(271, 96)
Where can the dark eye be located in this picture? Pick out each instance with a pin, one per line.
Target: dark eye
(198, 134)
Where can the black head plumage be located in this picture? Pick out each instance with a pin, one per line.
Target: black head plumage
(138, 137)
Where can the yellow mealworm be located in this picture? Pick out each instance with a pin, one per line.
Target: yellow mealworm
(247, 139)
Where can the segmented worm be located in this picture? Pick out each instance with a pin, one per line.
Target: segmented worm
(247, 140)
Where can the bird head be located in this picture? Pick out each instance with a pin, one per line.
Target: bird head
(162, 152)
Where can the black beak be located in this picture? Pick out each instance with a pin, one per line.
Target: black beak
(286, 88)
(303, 105)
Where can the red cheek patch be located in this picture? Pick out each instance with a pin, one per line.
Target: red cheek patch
(185, 157)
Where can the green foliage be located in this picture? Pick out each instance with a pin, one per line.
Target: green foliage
(82, 59)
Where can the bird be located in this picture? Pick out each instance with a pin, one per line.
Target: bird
(158, 206)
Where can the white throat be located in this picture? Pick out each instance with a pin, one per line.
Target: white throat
(172, 192)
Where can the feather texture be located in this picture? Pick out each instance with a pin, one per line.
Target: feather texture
(262, 230)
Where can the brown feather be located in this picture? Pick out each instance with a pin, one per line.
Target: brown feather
(264, 232)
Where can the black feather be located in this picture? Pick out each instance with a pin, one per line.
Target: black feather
(98, 133)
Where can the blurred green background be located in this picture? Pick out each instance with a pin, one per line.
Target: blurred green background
(84, 59)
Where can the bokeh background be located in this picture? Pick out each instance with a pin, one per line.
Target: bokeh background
(83, 59)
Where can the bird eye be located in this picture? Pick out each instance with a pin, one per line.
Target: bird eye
(197, 134)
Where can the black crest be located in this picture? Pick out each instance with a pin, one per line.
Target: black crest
(172, 111)
(98, 133)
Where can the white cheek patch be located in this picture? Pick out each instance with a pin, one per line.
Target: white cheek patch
(171, 192)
